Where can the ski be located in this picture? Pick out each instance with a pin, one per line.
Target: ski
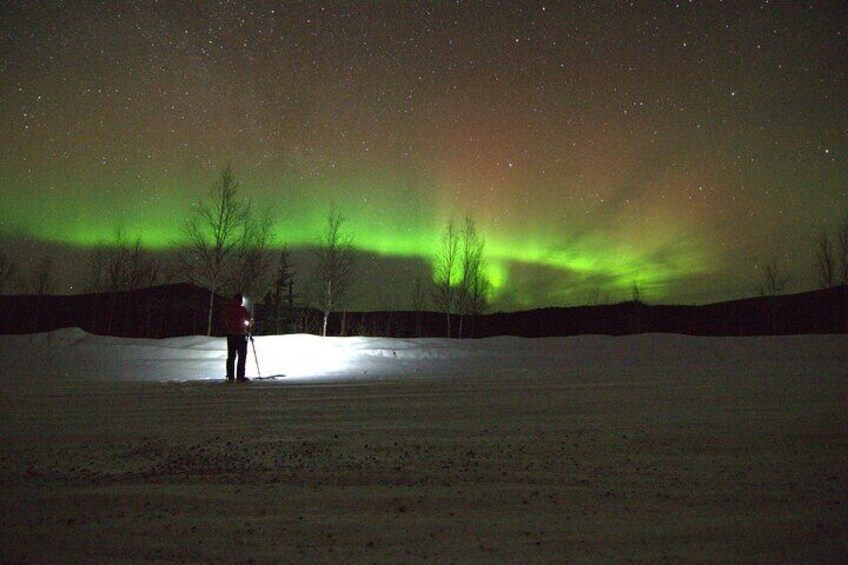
(253, 379)
(268, 378)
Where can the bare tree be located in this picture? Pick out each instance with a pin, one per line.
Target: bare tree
(213, 234)
(635, 292)
(42, 282)
(96, 268)
(772, 280)
(474, 285)
(8, 270)
(122, 266)
(825, 267)
(335, 265)
(461, 285)
(635, 304)
(772, 283)
(281, 298)
(252, 260)
(446, 272)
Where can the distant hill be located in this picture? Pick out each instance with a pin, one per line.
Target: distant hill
(821, 312)
(181, 309)
(159, 311)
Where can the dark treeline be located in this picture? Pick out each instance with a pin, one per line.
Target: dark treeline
(182, 309)
(155, 312)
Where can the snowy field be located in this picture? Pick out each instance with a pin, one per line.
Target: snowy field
(586, 449)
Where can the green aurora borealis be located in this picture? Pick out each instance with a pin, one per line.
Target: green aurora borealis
(405, 226)
(595, 145)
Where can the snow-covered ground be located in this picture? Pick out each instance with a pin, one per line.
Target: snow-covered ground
(644, 448)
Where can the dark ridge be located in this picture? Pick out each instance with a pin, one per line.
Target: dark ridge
(182, 309)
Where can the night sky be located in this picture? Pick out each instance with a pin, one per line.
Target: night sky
(680, 145)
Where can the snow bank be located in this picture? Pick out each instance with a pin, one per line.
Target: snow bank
(72, 353)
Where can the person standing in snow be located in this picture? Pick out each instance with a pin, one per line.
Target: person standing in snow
(236, 321)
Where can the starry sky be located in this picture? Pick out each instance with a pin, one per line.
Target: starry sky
(677, 145)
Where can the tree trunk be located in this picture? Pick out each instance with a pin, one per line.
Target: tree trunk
(328, 307)
(211, 306)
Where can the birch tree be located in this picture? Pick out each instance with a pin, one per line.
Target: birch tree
(446, 275)
(474, 285)
(252, 262)
(461, 285)
(825, 261)
(213, 233)
(334, 266)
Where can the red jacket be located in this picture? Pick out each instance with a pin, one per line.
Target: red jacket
(236, 318)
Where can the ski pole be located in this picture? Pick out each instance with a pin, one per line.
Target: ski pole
(255, 357)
